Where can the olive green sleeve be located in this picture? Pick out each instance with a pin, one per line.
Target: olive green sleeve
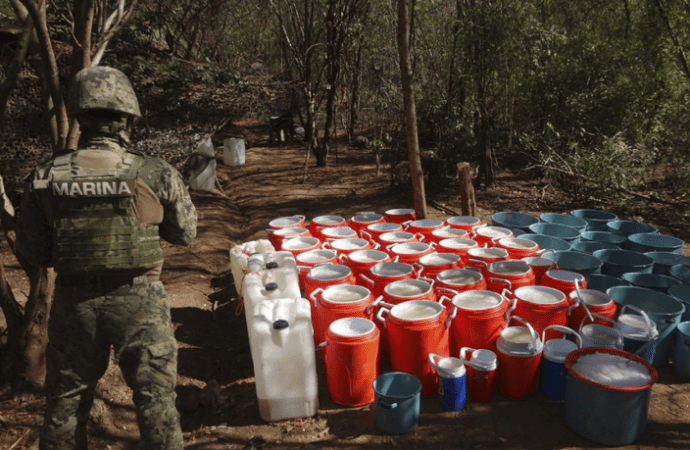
(179, 216)
(34, 233)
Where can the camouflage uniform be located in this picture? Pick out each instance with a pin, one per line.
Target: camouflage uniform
(100, 305)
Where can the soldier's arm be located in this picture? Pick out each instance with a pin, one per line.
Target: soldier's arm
(179, 214)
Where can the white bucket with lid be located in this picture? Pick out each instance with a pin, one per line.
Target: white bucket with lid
(637, 329)
(598, 335)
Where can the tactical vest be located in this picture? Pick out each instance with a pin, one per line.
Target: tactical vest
(95, 220)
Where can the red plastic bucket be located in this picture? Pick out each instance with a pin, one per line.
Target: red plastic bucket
(541, 306)
(407, 290)
(352, 360)
(277, 236)
(467, 223)
(382, 274)
(325, 275)
(510, 274)
(338, 301)
(447, 232)
(459, 246)
(481, 257)
(287, 222)
(423, 227)
(563, 280)
(539, 265)
(373, 231)
(519, 352)
(409, 252)
(481, 318)
(360, 261)
(597, 302)
(486, 234)
(453, 281)
(297, 245)
(306, 260)
(400, 215)
(329, 220)
(434, 263)
(396, 237)
(518, 248)
(329, 234)
(414, 329)
(348, 245)
(362, 220)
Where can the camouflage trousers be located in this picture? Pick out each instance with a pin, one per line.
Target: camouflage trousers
(89, 315)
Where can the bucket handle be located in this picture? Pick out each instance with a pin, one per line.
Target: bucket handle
(313, 295)
(445, 289)
(532, 332)
(373, 305)
(501, 281)
(431, 281)
(386, 309)
(367, 280)
(439, 370)
(368, 235)
(644, 315)
(564, 330)
(544, 251)
(479, 262)
(462, 356)
(420, 237)
(508, 294)
(577, 281)
(394, 405)
(342, 257)
(598, 316)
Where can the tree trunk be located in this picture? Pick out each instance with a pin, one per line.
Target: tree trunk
(416, 172)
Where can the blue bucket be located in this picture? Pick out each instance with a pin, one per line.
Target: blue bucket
(564, 219)
(663, 261)
(603, 236)
(682, 294)
(661, 283)
(652, 242)
(582, 263)
(595, 218)
(592, 246)
(513, 220)
(618, 262)
(663, 309)
(603, 413)
(547, 242)
(568, 234)
(681, 272)
(397, 402)
(681, 352)
(604, 282)
(628, 227)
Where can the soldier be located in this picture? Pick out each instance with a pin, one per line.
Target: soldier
(96, 215)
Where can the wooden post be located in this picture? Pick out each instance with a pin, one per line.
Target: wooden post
(467, 199)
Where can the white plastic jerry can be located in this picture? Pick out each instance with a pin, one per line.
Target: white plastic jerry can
(264, 285)
(272, 260)
(283, 353)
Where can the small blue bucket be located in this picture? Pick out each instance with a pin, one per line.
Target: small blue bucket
(547, 242)
(628, 227)
(397, 402)
(681, 272)
(552, 371)
(663, 261)
(661, 283)
(604, 282)
(663, 309)
(568, 234)
(681, 353)
(652, 242)
(592, 246)
(564, 219)
(513, 220)
(603, 236)
(618, 262)
(682, 294)
(595, 218)
(582, 263)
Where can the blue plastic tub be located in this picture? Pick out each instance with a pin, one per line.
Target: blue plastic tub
(628, 227)
(681, 272)
(547, 242)
(682, 294)
(397, 402)
(582, 263)
(596, 219)
(663, 261)
(618, 262)
(568, 234)
(652, 242)
(681, 352)
(592, 246)
(661, 283)
(514, 220)
(663, 309)
(604, 282)
(603, 236)
(564, 219)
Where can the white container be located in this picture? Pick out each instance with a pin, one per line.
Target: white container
(270, 261)
(239, 258)
(206, 180)
(263, 285)
(233, 152)
(283, 354)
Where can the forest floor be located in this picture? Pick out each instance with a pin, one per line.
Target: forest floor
(212, 333)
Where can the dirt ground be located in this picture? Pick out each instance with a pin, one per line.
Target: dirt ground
(212, 333)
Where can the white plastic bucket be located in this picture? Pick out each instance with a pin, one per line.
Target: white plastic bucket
(233, 152)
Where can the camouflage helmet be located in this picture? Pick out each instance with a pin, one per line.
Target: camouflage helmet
(102, 88)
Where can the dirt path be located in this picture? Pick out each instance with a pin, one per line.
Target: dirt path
(214, 348)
